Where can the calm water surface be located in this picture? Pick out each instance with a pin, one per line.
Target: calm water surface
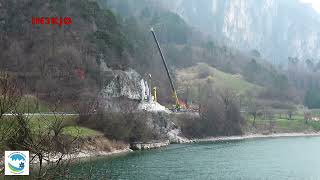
(274, 158)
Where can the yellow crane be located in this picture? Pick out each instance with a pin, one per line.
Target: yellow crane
(175, 95)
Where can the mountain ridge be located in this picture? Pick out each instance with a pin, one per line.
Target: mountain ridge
(270, 26)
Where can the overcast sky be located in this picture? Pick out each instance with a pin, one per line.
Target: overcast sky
(315, 4)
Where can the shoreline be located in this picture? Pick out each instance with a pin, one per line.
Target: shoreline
(96, 154)
(254, 136)
(84, 155)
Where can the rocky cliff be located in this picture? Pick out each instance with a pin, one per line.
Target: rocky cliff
(123, 92)
(276, 28)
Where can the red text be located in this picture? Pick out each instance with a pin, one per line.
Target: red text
(52, 20)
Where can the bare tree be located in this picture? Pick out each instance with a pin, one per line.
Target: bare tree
(87, 106)
(10, 96)
(50, 148)
(10, 93)
(253, 110)
(289, 113)
(42, 135)
(307, 117)
(233, 119)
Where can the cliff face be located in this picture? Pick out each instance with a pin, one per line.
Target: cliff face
(123, 92)
(276, 28)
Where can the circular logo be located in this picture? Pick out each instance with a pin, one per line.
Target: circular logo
(16, 162)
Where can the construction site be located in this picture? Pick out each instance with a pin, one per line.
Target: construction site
(149, 93)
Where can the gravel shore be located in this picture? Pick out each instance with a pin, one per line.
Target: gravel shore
(253, 136)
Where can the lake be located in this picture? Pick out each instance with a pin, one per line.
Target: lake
(269, 158)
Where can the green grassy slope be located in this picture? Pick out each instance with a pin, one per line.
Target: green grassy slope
(43, 123)
(202, 73)
(31, 104)
(281, 125)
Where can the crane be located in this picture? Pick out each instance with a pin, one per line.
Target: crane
(175, 95)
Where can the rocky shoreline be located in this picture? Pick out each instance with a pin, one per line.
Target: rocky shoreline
(149, 145)
(174, 138)
(160, 144)
(254, 136)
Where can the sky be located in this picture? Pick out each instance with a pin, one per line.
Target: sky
(315, 4)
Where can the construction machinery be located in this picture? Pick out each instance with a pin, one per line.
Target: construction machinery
(175, 95)
(155, 98)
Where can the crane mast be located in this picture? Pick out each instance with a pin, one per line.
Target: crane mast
(167, 70)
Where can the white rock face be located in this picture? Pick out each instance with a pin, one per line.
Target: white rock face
(153, 107)
(126, 91)
(128, 85)
(277, 28)
(143, 90)
(150, 145)
(122, 91)
(175, 137)
(124, 84)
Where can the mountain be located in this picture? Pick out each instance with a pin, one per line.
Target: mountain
(277, 28)
(60, 62)
(185, 47)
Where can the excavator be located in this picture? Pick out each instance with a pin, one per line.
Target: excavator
(178, 105)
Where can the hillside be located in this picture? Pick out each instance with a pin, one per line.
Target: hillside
(117, 33)
(99, 84)
(185, 46)
(272, 27)
(201, 74)
(62, 63)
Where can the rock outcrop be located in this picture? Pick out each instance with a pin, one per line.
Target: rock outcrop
(123, 84)
(121, 91)
(149, 145)
(277, 28)
(175, 137)
(153, 107)
(125, 91)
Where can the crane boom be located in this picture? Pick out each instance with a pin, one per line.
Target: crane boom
(167, 70)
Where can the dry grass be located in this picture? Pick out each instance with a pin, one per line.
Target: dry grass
(199, 75)
(103, 144)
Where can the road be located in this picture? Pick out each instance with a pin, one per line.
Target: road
(44, 114)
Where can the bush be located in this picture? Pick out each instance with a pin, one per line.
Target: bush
(312, 98)
(190, 126)
(204, 71)
(129, 126)
(281, 105)
(219, 116)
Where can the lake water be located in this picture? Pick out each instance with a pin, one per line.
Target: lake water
(272, 158)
